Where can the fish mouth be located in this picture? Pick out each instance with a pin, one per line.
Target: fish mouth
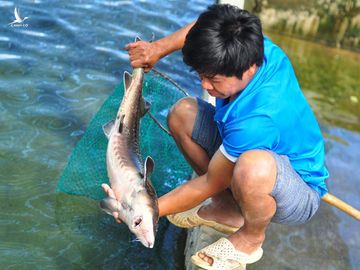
(148, 240)
(148, 244)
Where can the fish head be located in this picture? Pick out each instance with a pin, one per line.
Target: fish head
(145, 218)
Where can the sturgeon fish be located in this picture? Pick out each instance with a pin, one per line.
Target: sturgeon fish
(136, 200)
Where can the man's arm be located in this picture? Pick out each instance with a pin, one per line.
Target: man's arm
(145, 54)
(195, 191)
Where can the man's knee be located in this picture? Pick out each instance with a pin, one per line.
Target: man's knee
(182, 115)
(254, 173)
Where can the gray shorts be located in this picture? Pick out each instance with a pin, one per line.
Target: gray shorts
(296, 202)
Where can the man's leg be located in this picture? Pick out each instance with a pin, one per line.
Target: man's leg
(253, 181)
(181, 121)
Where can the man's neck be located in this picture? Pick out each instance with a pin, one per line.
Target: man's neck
(231, 98)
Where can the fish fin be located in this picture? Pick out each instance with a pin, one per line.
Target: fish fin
(148, 167)
(127, 80)
(152, 37)
(137, 38)
(108, 127)
(121, 125)
(144, 106)
(109, 205)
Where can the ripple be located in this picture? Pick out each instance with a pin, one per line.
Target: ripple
(158, 29)
(9, 220)
(39, 111)
(123, 31)
(33, 33)
(77, 133)
(60, 94)
(101, 77)
(28, 149)
(59, 124)
(4, 38)
(76, 78)
(120, 54)
(61, 47)
(23, 255)
(115, 3)
(49, 122)
(67, 25)
(6, 4)
(5, 56)
(84, 6)
(40, 204)
(22, 97)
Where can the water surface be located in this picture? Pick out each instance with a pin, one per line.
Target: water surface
(54, 76)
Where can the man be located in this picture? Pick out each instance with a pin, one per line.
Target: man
(259, 153)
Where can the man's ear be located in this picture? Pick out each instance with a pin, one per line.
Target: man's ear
(252, 70)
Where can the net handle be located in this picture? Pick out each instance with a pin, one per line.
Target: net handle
(170, 80)
(159, 124)
(166, 77)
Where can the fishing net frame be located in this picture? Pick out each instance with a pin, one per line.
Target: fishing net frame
(86, 168)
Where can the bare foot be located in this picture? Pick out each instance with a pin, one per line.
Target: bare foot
(221, 215)
(245, 242)
(205, 258)
(224, 210)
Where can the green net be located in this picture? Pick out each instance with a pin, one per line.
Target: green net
(86, 169)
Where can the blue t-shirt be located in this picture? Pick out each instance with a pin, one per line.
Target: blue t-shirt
(272, 113)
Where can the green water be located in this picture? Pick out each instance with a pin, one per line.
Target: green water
(54, 76)
(330, 78)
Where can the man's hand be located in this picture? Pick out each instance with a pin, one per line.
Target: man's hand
(143, 54)
(195, 191)
(111, 194)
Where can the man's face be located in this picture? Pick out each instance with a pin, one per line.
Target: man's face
(223, 87)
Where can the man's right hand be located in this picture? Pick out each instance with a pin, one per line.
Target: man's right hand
(146, 54)
(143, 54)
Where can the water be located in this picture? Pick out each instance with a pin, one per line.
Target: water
(54, 76)
(330, 80)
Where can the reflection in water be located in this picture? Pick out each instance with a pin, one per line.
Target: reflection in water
(330, 79)
(54, 76)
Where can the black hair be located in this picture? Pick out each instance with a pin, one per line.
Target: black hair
(225, 40)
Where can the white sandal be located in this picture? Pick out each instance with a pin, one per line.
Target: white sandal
(225, 256)
(190, 218)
